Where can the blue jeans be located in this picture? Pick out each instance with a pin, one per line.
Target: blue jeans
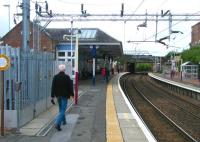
(62, 103)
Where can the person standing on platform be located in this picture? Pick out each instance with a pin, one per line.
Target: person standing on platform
(107, 75)
(103, 73)
(62, 89)
(117, 68)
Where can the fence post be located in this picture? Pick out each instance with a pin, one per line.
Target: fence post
(4, 65)
(2, 103)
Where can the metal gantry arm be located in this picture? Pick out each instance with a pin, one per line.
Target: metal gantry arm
(117, 17)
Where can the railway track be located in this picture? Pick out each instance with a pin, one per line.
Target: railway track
(183, 113)
(157, 120)
(192, 107)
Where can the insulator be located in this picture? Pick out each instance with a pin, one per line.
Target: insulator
(122, 11)
(36, 6)
(46, 6)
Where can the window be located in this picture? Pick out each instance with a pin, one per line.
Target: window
(73, 62)
(61, 59)
(69, 54)
(61, 54)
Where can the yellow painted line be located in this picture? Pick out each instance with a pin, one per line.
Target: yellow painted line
(113, 131)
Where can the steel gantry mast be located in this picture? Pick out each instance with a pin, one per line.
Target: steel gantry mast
(165, 16)
(117, 17)
(121, 16)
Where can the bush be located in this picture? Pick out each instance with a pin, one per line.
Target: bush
(143, 67)
(191, 54)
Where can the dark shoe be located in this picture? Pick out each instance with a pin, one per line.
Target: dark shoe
(58, 127)
(64, 122)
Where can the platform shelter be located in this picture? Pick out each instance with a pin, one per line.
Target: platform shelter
(189, 70)
(95, 48)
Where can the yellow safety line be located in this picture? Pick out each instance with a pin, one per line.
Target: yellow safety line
(113, 131)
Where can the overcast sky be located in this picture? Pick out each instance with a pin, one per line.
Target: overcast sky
(119, 30)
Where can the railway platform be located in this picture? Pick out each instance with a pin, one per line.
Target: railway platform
(103, 114)
(177, 78)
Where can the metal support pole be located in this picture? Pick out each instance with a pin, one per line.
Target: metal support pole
(18, 88)
(2, 103)
(160, 64)
(181, 70)
(26, 20)
(76, 71)
(156, 27)
(9, 16)
(93, 73)
(71, 47)
(93, 64)
(170, 25)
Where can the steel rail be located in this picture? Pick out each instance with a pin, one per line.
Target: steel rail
(174, 103)
(165, 116)
(126, 93)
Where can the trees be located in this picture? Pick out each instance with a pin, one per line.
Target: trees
(143, 67)
(192, 54)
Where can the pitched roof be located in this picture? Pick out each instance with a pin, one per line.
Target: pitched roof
(188, 63)
(87, 34)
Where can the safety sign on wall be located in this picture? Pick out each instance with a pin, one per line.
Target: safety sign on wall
(4, 62)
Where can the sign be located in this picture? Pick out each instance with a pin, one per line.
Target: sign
(4, 62)
(93, 51)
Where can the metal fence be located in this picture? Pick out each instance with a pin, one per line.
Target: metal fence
(27, 85)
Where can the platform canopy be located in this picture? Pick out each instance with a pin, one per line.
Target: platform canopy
(88, 37)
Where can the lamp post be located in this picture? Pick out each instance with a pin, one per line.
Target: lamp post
(76, 68)
(76, 72)
(76, 63)
(8, 6)
(71, 36)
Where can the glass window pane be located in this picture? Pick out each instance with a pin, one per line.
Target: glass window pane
(61, 59)
(61, 54)
(73, 62)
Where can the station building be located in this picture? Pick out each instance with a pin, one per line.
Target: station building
(92, 43)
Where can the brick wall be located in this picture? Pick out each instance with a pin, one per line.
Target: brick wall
(195, 39)
(14, 39)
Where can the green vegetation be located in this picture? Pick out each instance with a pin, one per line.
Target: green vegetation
(143, 67)
(192, 54)
(171, 53)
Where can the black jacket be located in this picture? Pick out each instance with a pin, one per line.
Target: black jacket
(62, 85)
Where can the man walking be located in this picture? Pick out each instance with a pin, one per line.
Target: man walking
(61, 89)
